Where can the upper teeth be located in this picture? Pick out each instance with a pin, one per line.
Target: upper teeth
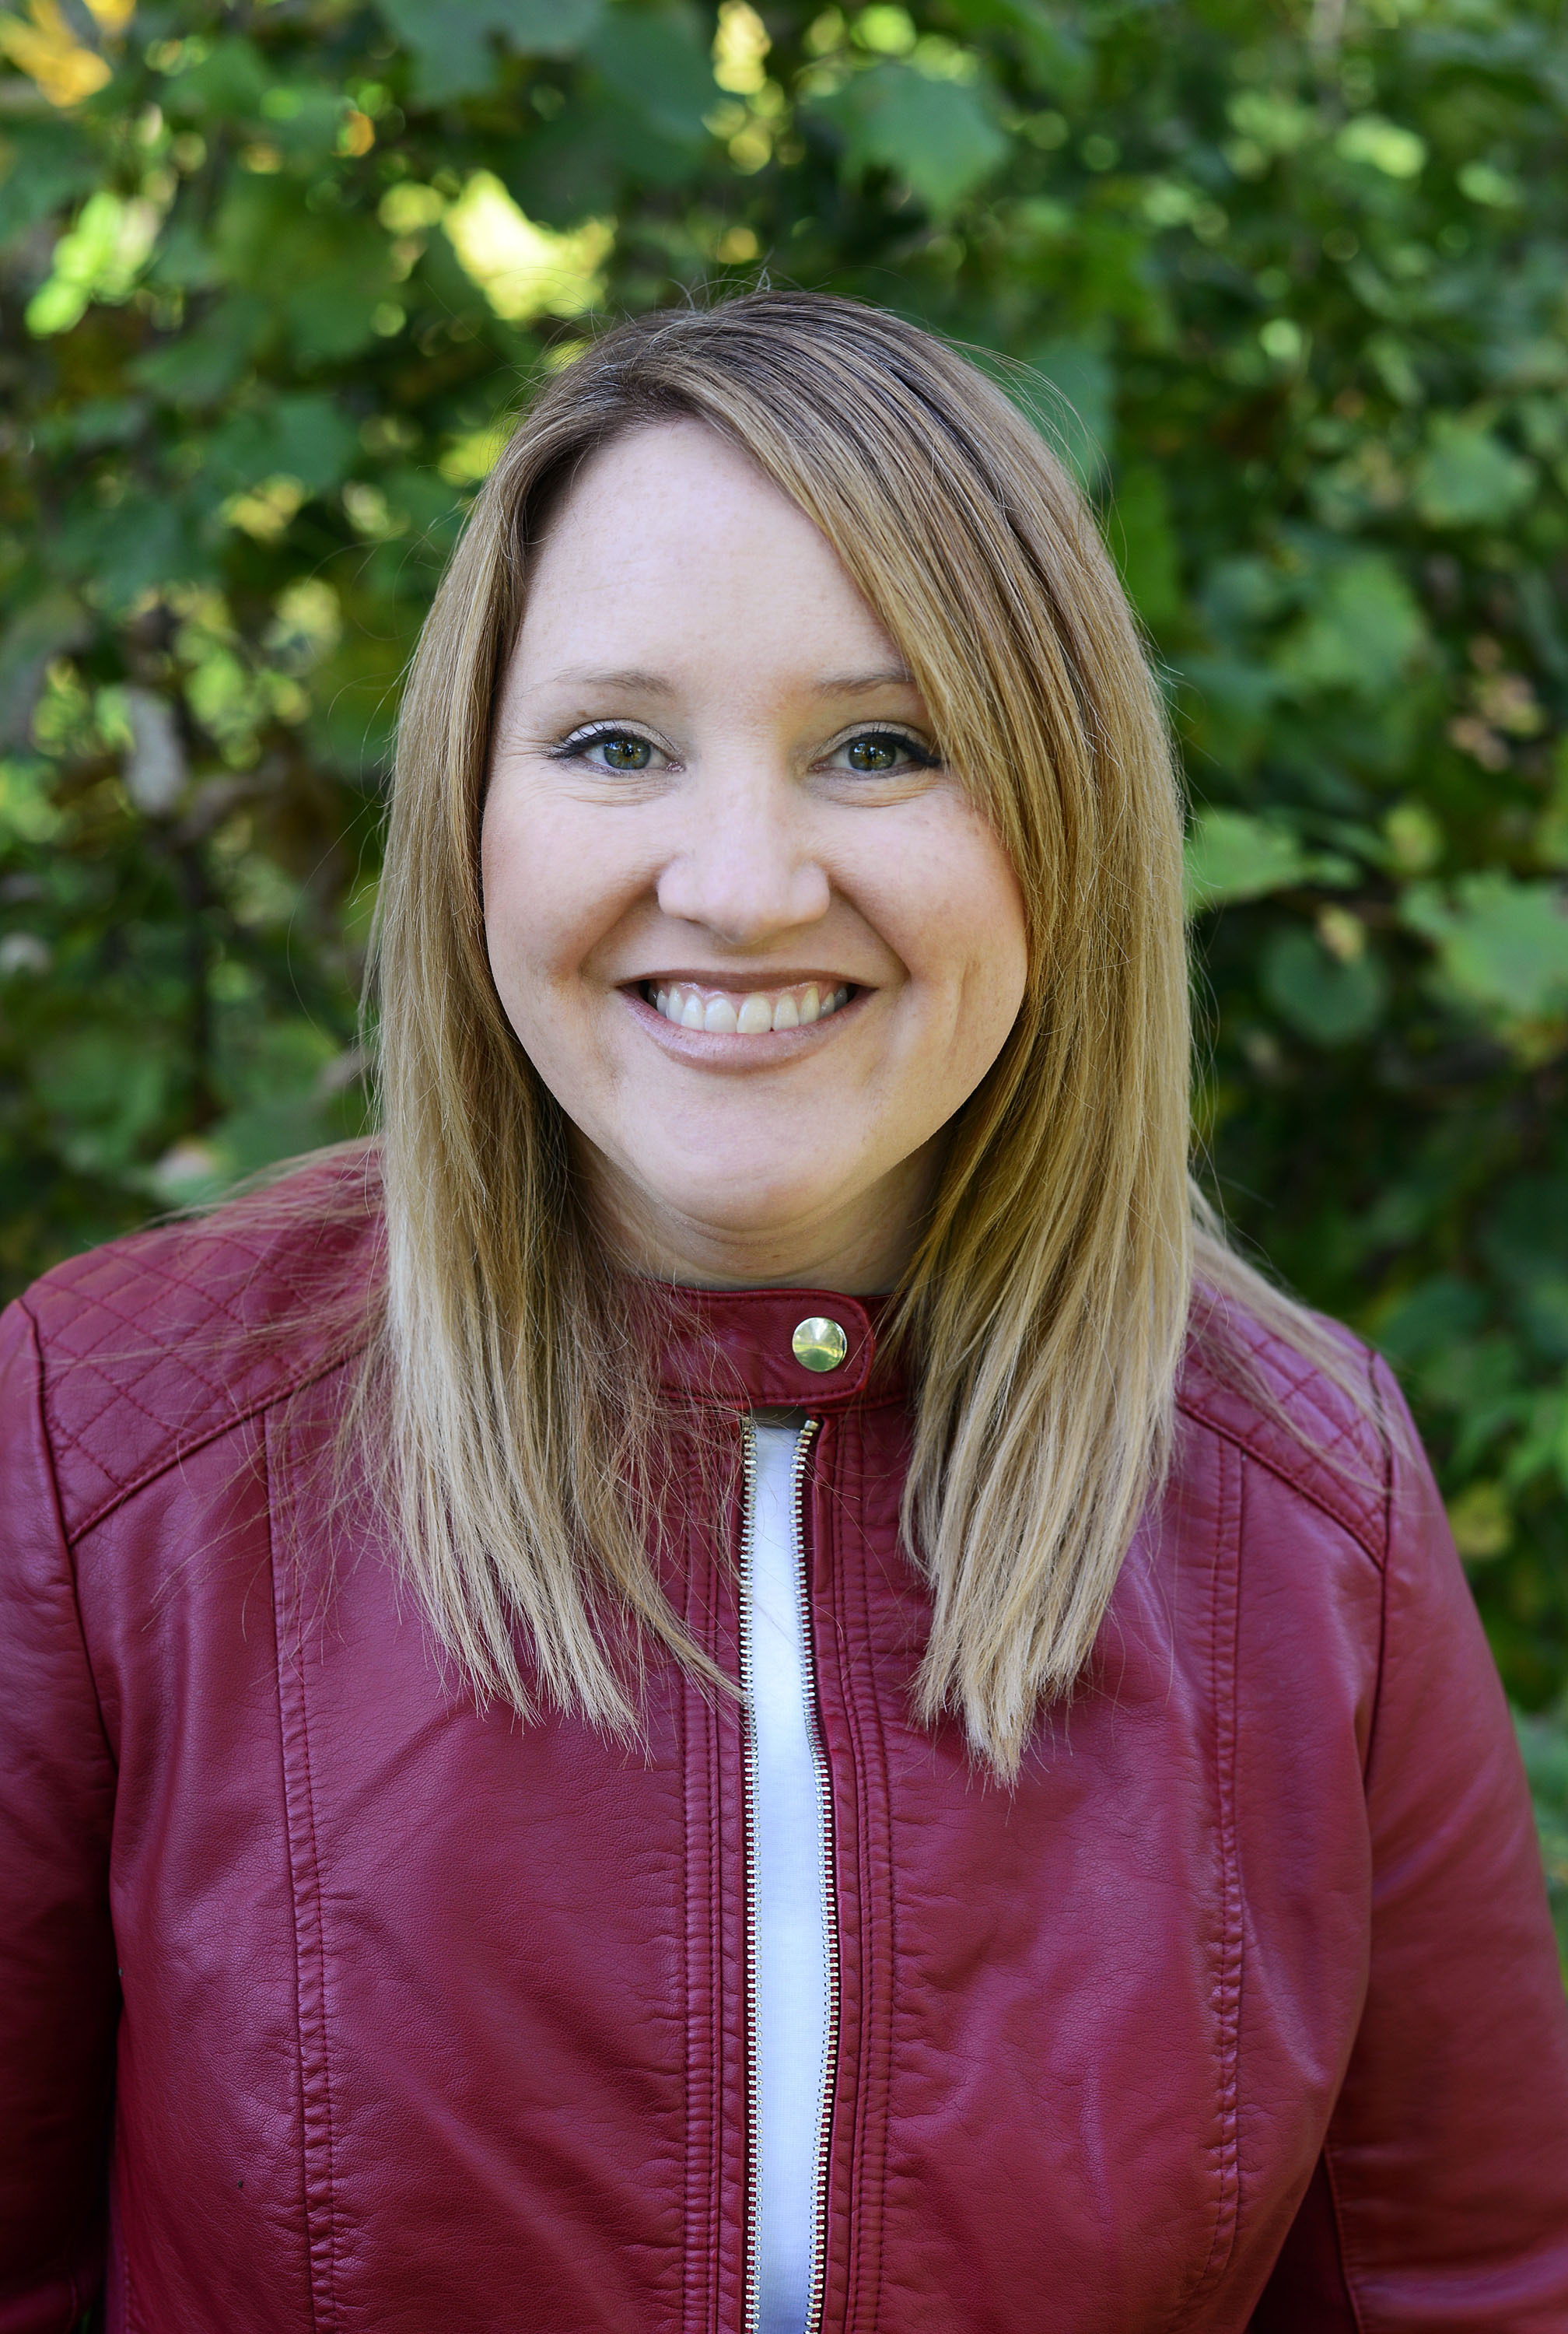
(726, 1014)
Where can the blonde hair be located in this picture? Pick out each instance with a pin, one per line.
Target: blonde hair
(1045, 1311)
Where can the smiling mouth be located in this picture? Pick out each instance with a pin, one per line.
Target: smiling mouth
(744, 1013)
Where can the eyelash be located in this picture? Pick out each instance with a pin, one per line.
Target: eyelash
(572, 747)
(580, 742)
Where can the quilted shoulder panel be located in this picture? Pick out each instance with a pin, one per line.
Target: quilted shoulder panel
(1246, 1383)
(155, 1344)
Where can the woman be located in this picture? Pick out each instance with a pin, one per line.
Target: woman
(704, 1694)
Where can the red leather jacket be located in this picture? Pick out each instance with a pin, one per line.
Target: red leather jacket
(330, 2004)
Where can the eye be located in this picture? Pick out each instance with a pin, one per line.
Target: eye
(624, 753)
(874, 753)
(617, 751)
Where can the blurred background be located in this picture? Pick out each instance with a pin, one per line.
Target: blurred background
(1293, 286)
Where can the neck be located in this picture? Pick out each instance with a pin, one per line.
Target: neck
(861, 1247)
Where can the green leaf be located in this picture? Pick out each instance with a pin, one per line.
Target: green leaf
(303, 118)
(1231, 855)
(325, 272)
(307, 437)
(939, 136)
(230, 83)
(1327, 1000)
(107, 1088)
(659, 65)
(119, 553)
(454, 40)
(1467, 478)
(1364, 633)
(1387, 146)
(579, 166)
(43, 166)
(1056, 59)
(1227, 705)
(1501, 945)
(204, 363)
(1424, 1319)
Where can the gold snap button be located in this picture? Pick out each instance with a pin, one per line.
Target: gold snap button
(819, 1344)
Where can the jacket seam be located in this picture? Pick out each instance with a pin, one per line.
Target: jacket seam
(1228, 1975)
(326, 2056)
(180, 1450)
(1347, 2269)
(291, 1654)
(1340, 2245)
(67, 1544)
(1387, 1571)
(1282, 1473)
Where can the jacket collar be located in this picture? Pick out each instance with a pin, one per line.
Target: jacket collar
(738, 1347)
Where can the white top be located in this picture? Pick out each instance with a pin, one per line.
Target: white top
(791, 1974)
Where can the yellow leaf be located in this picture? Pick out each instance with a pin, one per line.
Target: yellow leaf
(49, 53)
(522, 269)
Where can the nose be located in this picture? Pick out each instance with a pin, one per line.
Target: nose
(744, 869)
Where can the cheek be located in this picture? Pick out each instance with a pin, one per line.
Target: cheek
(962, 922)
(505, 860)
(537, 907)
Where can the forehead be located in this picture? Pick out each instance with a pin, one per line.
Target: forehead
(672, 537)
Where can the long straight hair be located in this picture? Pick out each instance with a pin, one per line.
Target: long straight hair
(1043, 1312)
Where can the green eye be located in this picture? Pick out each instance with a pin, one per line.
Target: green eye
(876, 753)
(625, 753)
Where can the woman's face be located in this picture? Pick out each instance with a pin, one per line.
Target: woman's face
(746, 926)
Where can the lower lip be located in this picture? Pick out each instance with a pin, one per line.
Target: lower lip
(715, 1050)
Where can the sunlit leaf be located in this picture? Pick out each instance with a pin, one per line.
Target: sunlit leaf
(523, 269)
(1233, 856)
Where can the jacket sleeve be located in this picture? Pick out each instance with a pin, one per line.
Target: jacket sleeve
(1441, 2198)
(59, 1995)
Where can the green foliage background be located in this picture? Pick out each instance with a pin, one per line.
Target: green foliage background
(273, 275)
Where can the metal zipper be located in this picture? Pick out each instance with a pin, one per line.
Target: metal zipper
(750, 2290)
(753, 2298)
(830, 1905)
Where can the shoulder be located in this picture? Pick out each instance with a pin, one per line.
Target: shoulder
(1325, 1425)
(154, 1344)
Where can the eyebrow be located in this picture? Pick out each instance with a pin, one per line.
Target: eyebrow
(862, 684)
(650, 684)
